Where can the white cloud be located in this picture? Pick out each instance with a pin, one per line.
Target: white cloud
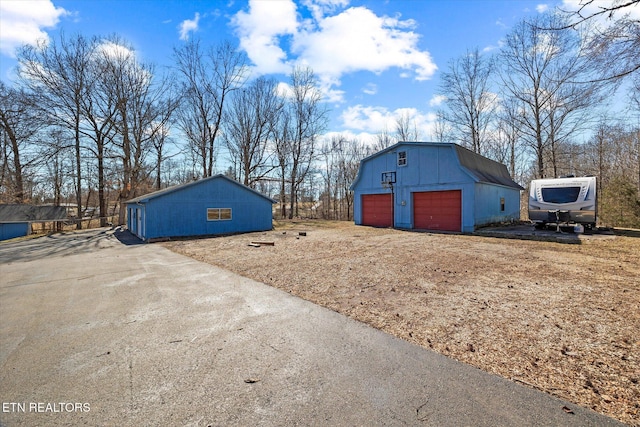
(355, 39)
(23, 22)
(493, 47)
(370, 89)
(365, 137)
(501, 24)
(541, 8)
(115, 51)
(436, 100)
(260, 30)
(319, 8)
(189, 26)
(359, 40)
(374, 119)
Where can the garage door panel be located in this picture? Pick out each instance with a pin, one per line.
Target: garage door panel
(438, 210)
(377, 210)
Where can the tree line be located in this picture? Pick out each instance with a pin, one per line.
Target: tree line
(540, 105)
(89, 123)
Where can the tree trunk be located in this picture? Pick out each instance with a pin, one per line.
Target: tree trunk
(18, 192)
(101, 197)
(78, 174)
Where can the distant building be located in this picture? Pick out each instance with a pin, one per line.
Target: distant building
(210, 206)
(433, 186)
(16, 219)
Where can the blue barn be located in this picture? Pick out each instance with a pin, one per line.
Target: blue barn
(433, 186)
(210, 206)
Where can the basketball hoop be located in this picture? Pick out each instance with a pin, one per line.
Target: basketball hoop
(388, 179)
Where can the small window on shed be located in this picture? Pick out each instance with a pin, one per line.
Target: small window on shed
(218, 214)
(501, 204)
(402, 158)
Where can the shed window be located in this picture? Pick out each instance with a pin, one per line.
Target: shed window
(218, 214)
(402, 158)
(502, 204)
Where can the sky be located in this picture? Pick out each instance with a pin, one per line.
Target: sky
(374, 59)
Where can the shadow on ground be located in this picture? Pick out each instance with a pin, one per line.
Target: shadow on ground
(529, 232)
(627, 232)
(126, 237)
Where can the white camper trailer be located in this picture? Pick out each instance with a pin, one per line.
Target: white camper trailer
(564, 200)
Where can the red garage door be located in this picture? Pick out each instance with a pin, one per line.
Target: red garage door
(438, 210)
(376, 210)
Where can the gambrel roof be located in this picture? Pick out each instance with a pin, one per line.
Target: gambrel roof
(480, 168)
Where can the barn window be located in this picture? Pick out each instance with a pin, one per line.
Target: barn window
(502, 204)
(218, 214)
(402, 158)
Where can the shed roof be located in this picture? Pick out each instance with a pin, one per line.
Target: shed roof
(145, 198)
(485, 169)
(481, 168)
(32, 213)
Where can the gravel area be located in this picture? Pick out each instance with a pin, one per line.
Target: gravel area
(560, 318)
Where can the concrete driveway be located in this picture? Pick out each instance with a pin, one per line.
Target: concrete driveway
(94, 331)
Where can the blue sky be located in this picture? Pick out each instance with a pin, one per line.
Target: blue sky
(374, 59)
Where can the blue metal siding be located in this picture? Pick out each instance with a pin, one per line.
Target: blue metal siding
(433, 168)
(184, 212)
(10, 230)
(488, 208)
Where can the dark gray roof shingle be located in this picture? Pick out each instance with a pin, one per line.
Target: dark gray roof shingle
(31, 213)
(144, 198)
(484, 169)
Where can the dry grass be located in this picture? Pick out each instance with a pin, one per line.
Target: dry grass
(564, 319)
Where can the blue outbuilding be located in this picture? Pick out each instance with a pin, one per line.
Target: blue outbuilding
(16, 219)
(433, 186)
(209, 206)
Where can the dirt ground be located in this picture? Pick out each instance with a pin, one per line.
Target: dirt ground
(561, 318)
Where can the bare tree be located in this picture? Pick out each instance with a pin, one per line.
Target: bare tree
(330, 151)
(470, 104)
(506, 144)
(441, 128)
(59, 73)
(207, 80)
(384, 139)
(143, 107)
(19, 123)
(251, 118)
(406, 128)
(307, 120)
(611, 155)
(99, 109)
(281, 133)
(351, 152)
(542, 70)
(613, 46)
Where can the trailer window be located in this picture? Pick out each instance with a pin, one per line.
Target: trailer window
(560, 194)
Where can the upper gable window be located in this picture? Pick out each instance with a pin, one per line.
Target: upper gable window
(402, 158)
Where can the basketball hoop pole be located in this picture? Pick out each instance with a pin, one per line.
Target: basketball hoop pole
(388, 179)
(393, 202)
